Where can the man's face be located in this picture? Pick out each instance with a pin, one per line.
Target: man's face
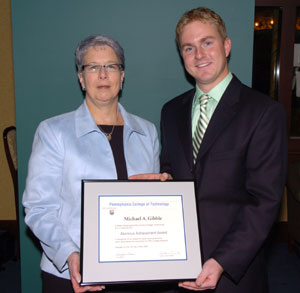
(204, 53)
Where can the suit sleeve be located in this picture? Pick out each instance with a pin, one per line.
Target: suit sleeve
(266, 162)
(165, 164)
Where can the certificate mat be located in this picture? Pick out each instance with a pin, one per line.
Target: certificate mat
(137, 231)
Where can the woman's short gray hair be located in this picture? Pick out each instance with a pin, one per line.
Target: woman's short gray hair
(97, 40)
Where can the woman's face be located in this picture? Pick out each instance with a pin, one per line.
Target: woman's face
(101, 87)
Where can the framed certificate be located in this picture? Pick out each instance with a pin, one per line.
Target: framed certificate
(137, 231)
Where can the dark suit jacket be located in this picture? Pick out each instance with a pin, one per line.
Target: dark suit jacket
(240, 174)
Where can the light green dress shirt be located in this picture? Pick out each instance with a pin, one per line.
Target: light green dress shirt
(216, 93)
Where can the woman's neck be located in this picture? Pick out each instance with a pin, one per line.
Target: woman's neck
(108, 114)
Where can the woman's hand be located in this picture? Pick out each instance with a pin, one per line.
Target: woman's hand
(74, 265)
(151, 176)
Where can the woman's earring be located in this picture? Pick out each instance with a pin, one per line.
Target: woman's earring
(121, 86)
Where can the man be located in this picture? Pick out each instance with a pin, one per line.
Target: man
(234, 145)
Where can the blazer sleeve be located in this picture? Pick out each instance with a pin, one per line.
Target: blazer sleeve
(266, 162)
(41, 197)
(156, 164)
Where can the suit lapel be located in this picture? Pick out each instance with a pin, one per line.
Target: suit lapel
(184, 126)
(223, 115)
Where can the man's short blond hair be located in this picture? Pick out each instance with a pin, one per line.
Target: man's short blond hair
(204, 15)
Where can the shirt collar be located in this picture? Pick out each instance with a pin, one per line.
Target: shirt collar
(85, 123)
(217, 92)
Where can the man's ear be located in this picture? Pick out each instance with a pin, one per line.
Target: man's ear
(227, 46)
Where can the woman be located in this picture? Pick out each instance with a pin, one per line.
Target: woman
(99, 140)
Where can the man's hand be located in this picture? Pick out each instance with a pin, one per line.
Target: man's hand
(208, 278)
(74, 265)
(151, 176)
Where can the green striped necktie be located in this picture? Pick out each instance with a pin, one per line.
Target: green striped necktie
(201, 125)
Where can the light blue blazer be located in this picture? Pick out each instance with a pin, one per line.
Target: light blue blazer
(66, 149)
